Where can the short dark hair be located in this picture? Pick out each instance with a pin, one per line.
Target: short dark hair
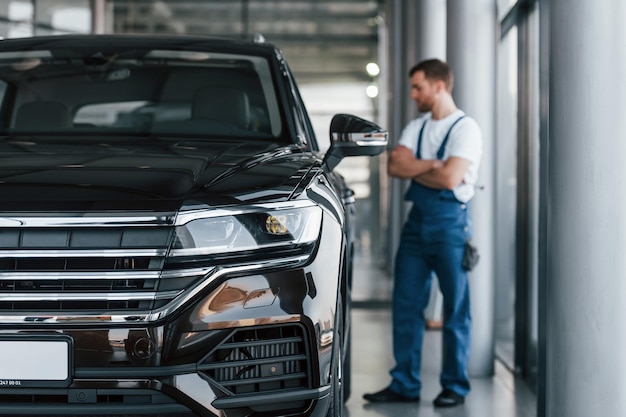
(435, 69)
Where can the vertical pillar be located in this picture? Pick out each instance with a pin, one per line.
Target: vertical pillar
(471, 43)
(585, 310)
(401, 40)
(417, 31)
(98, 16)
(4, 25)
(431, 43)
(544, 112)
(431, 36)
(41, 20)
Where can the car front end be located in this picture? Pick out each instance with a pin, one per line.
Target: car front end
(172, 242)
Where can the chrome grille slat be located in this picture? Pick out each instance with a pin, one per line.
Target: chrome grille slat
(84, 220)
(111, 275)
(68, 253)
(42, 296)
(178, 273)
(87, 263)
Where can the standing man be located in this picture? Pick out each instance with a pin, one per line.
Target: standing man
(440, 152)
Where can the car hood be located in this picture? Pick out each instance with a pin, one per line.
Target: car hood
(50, 174)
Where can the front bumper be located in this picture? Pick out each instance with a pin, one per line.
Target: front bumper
(225, 355)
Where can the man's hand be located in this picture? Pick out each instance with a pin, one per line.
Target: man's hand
(403, 163)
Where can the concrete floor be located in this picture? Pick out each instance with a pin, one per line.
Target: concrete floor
(502, 395)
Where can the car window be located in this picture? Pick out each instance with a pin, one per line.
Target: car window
(155, 92)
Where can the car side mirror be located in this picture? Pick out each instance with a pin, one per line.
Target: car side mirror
(352, 136)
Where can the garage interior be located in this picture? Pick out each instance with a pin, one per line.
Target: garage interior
(541, 285)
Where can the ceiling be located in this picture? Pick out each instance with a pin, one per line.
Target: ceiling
(323, 40)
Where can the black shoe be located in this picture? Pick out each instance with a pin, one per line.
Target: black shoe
(388, 396)
(448, 398)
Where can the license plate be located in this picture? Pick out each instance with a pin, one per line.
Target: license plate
(35, 361)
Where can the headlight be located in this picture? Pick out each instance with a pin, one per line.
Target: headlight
(270, 226)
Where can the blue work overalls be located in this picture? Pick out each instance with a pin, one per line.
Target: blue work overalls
(432, 240)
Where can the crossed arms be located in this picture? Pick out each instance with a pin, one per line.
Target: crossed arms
(431, 173)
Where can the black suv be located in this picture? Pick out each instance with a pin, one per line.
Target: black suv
(173, 239)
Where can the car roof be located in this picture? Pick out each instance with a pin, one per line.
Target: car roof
(141, 41)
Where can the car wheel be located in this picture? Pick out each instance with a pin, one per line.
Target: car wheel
(347, 329)
(347, 357)
(337, 369)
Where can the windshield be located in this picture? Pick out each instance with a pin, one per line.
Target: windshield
(146, 92)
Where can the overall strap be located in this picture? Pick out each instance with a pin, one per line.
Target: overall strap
(442, 148)
(418, 154)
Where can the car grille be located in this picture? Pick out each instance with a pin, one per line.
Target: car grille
(87, 269)
(260, 360)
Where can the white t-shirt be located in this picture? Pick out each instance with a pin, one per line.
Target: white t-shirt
(465, 142)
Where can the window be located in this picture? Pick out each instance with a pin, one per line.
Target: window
(159, 92)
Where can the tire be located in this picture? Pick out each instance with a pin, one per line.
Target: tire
(347, 366)
(347, 327)
(337, 368)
